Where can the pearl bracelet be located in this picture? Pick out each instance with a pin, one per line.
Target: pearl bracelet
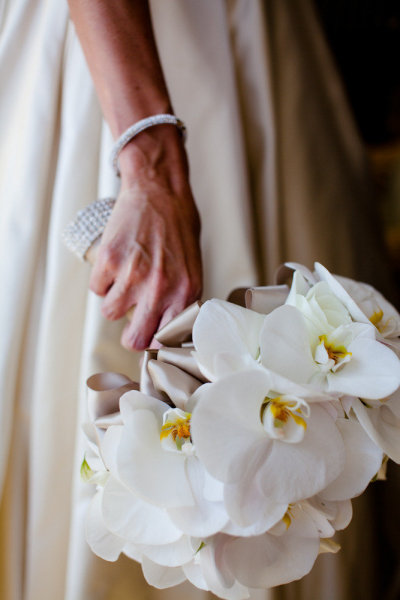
(133, 130)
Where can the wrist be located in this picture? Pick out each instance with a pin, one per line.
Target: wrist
(157, 151)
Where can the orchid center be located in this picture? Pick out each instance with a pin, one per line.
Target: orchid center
(284, 417)
(331, 356)
(287, 517)
(383, 326)
(376, 317)
(175, 430)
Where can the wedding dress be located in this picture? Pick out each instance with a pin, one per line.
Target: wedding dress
(277, 171)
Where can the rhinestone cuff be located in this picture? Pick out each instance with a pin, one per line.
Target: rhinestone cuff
(133, 130)
(87, 226)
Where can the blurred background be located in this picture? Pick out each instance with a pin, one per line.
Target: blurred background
(364, 36)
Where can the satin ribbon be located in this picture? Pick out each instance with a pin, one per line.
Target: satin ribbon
(104, 392)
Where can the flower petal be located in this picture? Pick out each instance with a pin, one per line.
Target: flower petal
(102, 542)
(363, 459)
(372, 373)
(341, 293)
(156, 475)
(161, 577)
(222, 328)
(194, 574)
(137, 521)
(226, 425)
(249, 508)
(204, 518)
(382, 425)
(175, 554)
(285, 345)
(308, 466)
(266, 560)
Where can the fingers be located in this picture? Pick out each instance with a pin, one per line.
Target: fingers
(138, 334)
(168, 315)
(120, 298)
(117, 279)
(147, 319)
(171, 313)
(103, 273)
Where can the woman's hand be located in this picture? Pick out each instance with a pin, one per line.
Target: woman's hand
(149, 256)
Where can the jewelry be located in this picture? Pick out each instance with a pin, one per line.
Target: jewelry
(88, 225)
(133, 130)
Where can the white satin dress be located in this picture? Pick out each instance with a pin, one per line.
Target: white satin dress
(277, 171)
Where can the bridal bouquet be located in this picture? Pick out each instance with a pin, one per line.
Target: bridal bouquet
(235, 461)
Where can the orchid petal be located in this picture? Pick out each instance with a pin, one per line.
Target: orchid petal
(137, 521)
(226, 422)
(382, 425)
(194, 574)
(171, 555)
(299, 287)
(338, 513)
(308, 466)
(372, 373)
(227, 329)
(109, 445)
(249, 507)
(102, 542)
(308, 275)
(340, 293)
(204, 518)
(156, 475)
(266, 561)
(161, 577)
(219, 579)
(363, 459)
(285, 345)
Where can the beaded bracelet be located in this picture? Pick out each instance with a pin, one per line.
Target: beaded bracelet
(133, 130)
(87, 227)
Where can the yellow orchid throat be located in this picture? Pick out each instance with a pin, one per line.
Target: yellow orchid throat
(376, 318)
(287, 517)
(283, 410)
(338, 354)
(178, 428)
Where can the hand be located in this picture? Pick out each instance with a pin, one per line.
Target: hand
(149, 256)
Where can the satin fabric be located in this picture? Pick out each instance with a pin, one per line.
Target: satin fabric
(277, 172)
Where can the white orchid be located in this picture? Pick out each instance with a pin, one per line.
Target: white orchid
(166, 471)
(205, 570)
(285, 553)
(118, 518)
(237, 419)
(226, 338)
(364, 303)
(309, 349)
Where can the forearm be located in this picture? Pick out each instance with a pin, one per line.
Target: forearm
(121, 53)
(119, 46)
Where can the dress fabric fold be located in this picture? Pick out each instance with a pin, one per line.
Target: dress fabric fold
(278, 173)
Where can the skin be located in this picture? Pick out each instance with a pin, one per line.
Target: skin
(149, 256)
